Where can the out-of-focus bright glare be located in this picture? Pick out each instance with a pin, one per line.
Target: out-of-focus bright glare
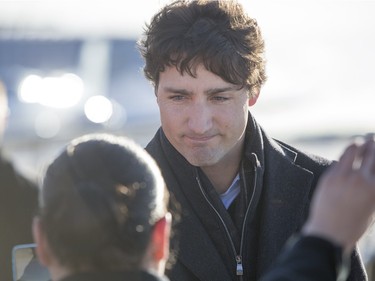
(47, 125)
(30, 88)
(118, 118)
(61, 92)
(57, 92)
(98, 109)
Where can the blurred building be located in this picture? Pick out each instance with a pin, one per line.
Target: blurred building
(60, 88)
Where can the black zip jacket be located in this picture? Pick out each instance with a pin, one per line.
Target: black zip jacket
(309, 258)
(115, 276)
(209, 244)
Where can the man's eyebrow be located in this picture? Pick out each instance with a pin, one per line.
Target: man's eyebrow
(210, 91)
(176, 90)
(221, 90)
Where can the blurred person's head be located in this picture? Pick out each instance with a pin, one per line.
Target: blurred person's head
(3, 108)
(218, 34)
(102, 208)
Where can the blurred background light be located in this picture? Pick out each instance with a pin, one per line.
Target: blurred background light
(118, 118)
(57, 92)
(98, 109)
(30, 88)
(47, 124)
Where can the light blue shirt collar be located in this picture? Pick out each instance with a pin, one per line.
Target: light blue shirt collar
(232, 192)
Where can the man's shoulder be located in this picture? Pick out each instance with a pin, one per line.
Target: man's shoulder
(303, 156)
(153, 144)
(315, 163)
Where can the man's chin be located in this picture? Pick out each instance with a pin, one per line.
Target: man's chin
(200, 161)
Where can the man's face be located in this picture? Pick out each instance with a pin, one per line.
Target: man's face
(204, 117)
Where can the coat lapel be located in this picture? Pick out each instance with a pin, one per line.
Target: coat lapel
(209, 265)
(285, 202)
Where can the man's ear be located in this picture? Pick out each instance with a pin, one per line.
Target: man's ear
(160, 238)
(254, 96)
(42, 247)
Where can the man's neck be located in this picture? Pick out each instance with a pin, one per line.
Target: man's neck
(223, 173)
(221, 176)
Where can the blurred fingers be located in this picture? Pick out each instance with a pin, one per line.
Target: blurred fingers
(347, 159)
(368, 158)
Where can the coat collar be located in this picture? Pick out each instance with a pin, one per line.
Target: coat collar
(285, 200)
(115, 276)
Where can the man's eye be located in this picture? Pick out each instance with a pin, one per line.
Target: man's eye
(177, 97)
(220, 98)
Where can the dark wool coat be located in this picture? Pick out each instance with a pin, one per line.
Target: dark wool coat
(280, 180)
(308, 258)
(18, 204)
(114, 276)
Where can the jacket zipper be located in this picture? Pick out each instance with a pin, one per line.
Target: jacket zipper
(237, 256)
(247, 210)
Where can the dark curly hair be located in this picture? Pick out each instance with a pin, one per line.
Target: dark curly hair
(216, 33)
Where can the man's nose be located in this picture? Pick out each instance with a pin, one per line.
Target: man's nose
(200, 118)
